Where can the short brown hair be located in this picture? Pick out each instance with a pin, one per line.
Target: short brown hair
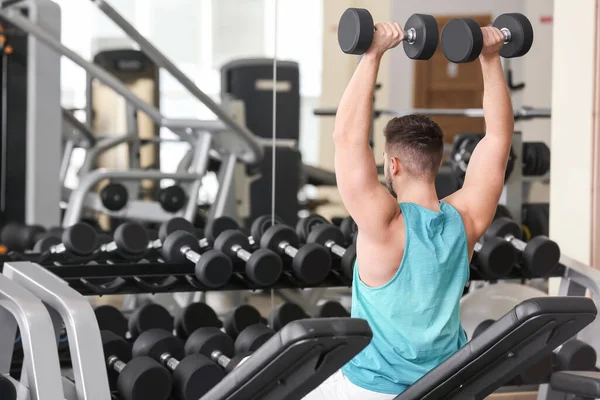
(418, 142)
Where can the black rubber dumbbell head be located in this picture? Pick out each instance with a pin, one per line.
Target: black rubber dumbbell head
(175, 224)
(195, 375)
(114, 196)
(425, 42)
(194, 316)
(355, 31)
(331, 309)
(7, 389)
(521, 34)
(261, 224)
(144, 378)
(45, 243)
(575, 355)
(214, 269)
(206, 340)
(312, 263)
(156, 342)
(217, 226)
(349, 229)
(273, 236)
(348, 261)
(541, 256)
(111, 319)
(172, 198)
(230, 238)
(239, 319)
(503, 227)
(305, 225)
(284, 314)
(117, 346)
(481, 327)
(254, 336)
(171, 248)
(324, 233)
(80, 239)
(150, 316)
(264, 267)
(462, 40)
(496, 258)
(131, 239)
(539, 372)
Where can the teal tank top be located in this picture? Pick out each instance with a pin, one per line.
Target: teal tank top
(415, 316)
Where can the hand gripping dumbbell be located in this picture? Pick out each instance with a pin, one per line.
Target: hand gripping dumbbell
(213, 268)
(149, 316)
(130, 242)
(195, 316)
(540, 255)
(140, 378)
(193, 375)
(462, 39)
(262, 266)
(318, 230)
(76, 241)
(311, 263)
(356, 28)
(284, 314)
(495, 258)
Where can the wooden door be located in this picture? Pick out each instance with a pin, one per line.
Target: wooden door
(438, 83)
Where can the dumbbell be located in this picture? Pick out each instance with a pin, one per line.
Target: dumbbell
(540, 255)
(349, 229)
(262, 266)
(221, 348)
(130, 242)
(495, 258)
(20, 237)
(195, 316)
(114, 196)
(172, 198)
(311, 263)
(170, 226)
(193, 375)
(77, 241)
(140, 378)
(284, 314)
(149, 316)
(7, 389)
(318, 230)
(462, 39)
(213, 268)
(356, 28)
(239, 319)
(331, 309)
(260, 225)
(111, 319)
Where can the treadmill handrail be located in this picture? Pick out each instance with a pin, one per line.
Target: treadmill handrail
(251, 153)
(163, 62)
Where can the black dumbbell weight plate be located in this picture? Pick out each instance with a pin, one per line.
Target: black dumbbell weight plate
(217, 226)
(348, 261)
(349, 229)
(576, 355)
(273, 236)
(81, 239)
(156, 342)
(194, 316)
(496, 258)
(521, 33)
(426, 41)
(261, 224)
(175, 224)
(462, 40)
(206, 340)
(284, 314)
(355, 31)
(172, 245)
(7, 389)
(114, 196)
(305, 225)
(195, 375)
(503, 227)
(214, 269)
(140, 377)
(150, 316)
(172, 198)
(264, 267)
(312, 264)
(111, 319)
(229, 239)
(250, 339)
(132, 238)
(542, 255)
(324, 233)
(331, 309)
(241, 318)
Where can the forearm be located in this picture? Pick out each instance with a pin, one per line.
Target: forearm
(497, 106)
(355, 111)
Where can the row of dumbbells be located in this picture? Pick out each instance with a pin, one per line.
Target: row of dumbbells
(152, 356)
(502, 251)
(305, 254)
(573, 355)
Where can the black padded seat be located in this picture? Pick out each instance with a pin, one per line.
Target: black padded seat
(580, 383)
(295, 360)
(526, 334)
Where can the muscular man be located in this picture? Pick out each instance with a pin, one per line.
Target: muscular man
(413, 248)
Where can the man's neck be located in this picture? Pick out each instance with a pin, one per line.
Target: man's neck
(419, 192)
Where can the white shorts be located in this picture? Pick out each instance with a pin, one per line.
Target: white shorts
(337, 386)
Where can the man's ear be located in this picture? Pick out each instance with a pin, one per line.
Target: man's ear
(395, 166)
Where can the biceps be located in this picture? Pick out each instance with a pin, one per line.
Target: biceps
(365, 198)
